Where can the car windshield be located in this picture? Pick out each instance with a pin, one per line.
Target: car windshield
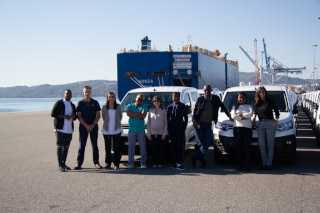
(279, 98)
(131, 98)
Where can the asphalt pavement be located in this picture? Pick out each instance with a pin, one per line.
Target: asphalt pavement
(31, 182)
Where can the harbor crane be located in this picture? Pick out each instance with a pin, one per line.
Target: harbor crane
(276, 68)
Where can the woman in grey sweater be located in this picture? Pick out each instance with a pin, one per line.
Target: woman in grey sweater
(157, 130)
(112, 115)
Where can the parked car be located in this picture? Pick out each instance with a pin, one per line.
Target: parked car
(285, 139)
(188, 96)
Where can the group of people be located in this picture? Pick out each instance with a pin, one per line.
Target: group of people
(162, 123)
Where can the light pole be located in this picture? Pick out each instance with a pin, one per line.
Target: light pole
(314, 62)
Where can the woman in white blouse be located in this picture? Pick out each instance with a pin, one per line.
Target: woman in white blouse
(157, 130)
(241, 113)
(112, 115)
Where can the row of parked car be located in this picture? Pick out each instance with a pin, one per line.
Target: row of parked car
(310, 105)
(223, 140)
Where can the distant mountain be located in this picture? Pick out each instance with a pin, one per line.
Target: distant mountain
(250, 76)
(100, 88)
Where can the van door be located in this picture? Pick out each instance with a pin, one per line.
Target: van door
(190, 130)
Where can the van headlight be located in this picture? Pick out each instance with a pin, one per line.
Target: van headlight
(222, 126)
(284, 126)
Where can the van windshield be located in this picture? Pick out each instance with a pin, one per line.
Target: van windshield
(131, 98)
(279, 98)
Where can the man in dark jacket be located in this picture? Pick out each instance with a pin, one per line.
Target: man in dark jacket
(206, 110)
(64, 112)
(177, 114)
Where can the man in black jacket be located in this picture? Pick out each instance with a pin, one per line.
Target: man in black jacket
(203, 114)
(177, 114)
(64, 112)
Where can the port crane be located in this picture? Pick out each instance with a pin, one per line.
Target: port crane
(276, 68)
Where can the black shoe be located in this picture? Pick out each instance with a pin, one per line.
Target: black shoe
(174, 166)
(247, 169)
(62, 169)
(98, 166)
(203, 165)
(193, 161)
(263, 167)
(241, 168)
(67, 167)
(268, 168)
(180, 167)
(78, 167)
(108, 166)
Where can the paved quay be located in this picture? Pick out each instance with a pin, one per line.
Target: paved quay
(30, 181)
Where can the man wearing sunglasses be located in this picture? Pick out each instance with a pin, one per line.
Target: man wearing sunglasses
(205, 111)
(137, 113)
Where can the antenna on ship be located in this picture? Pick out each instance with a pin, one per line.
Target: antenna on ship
(189, 38)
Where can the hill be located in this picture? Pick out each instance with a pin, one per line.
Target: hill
(249, 76)
(100, 88)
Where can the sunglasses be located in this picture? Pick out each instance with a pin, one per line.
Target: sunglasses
(207, 90)
(140, 99)
(262, 92)
(155, 101)
(111, 96)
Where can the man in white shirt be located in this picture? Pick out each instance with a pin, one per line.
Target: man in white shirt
(64, 112)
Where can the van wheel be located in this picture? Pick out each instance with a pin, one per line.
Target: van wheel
(218, 157)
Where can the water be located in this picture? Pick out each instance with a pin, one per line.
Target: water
(11, 105)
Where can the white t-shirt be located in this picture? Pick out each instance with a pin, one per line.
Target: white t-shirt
(111, 124)
(67, 125)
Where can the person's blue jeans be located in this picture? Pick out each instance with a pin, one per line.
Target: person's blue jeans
(266, 135)
(204, 141)
(83, 136)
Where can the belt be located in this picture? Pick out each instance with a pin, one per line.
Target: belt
(265, 120)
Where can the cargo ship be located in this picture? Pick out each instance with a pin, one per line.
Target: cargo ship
(192, 67)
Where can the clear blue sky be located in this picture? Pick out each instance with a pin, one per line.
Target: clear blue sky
(64, 41)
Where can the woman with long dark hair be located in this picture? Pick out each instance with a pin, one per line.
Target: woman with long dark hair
(241, 113)
(112, 115)
(264, 108)
(157, 130)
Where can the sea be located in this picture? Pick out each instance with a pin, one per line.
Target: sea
(12, 105)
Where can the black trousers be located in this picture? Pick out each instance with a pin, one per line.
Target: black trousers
(157, 149)
(243, 137)
(108, 141)
(63, 143)
(179, 143)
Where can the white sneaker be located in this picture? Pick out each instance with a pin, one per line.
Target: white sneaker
(143, 166)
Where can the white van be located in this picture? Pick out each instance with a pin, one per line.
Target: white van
(188, 96)
(285, 141)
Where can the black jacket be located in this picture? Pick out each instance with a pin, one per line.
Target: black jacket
(59, 109)
(216, 103)
(177, 119)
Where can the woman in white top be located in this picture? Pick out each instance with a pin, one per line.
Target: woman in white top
(112, 115)
(242, 131)
(157, 130)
